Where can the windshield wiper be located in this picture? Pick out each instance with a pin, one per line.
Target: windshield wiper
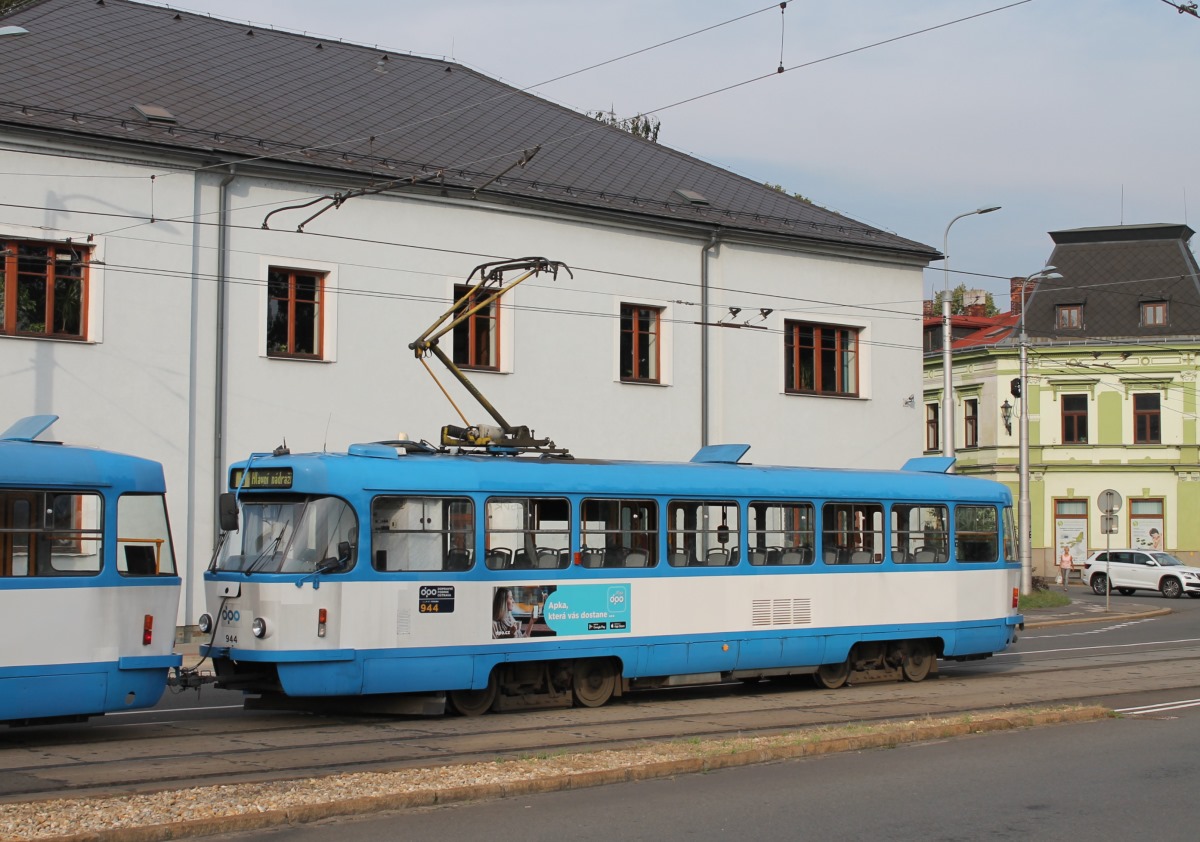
(329, 565)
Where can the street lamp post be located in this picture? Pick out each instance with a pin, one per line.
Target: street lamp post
(947, 372)
(1024, 509)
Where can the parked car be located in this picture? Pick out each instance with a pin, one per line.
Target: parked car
(1132, 570)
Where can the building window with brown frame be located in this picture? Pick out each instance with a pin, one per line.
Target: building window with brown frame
(295, 300)
(1154, 313)
(1147, 421)
(477, 337)
(821, 359)
(43, 289)
(932, 435)
(1074, 419)
(640, 331)
(971, 422)
(1068, 316)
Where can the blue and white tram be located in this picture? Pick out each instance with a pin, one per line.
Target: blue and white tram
(505, 582)
(88, 588)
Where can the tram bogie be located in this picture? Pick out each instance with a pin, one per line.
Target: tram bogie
(482, 583)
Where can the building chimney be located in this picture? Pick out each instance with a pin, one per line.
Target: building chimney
(1019, 290)
(927, 310)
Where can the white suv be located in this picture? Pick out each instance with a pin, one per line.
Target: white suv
(1132, 570)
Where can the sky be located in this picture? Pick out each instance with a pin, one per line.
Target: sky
(1066, 113)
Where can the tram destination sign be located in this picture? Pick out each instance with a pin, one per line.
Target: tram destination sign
(261, 478)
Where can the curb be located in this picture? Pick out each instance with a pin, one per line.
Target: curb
(907, 734)
(1098, 618)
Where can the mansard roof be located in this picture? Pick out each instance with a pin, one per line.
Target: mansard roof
(1110, 272)
(121, 72)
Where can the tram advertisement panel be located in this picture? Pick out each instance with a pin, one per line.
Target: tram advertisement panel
(550, 610)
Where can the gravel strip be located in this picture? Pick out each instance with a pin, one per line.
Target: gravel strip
(215, 809)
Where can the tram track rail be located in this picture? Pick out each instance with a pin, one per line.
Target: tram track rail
(105, 759)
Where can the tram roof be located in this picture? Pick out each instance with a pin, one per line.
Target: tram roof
(448, 473)
(43, 464)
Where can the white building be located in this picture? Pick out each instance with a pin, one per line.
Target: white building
(146, 304)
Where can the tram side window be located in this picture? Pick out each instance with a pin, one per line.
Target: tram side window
(781, 533)
(422, 533)
(143, 536)
(852, 533)
(920, 534)
(618, 533)
(48, 533)
(1010, 534)
(528, 533)
(702, 533)
(976, 534)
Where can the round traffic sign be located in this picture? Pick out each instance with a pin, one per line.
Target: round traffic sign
(1109, 502)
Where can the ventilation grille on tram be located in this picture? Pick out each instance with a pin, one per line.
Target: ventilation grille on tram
(781, 612)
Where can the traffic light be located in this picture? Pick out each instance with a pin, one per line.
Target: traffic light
(1015, 387)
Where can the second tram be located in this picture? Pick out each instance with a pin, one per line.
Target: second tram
(88, 585)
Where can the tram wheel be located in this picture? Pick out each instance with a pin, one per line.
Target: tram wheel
(919, 661)
(474, 702)
(594, 681)
(832, 676)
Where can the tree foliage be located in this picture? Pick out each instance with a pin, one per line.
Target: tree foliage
(958, 305)
(640, 125)
(9, 5)
(783, 189)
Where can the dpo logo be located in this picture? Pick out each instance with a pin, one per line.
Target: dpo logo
(231, 617)
(618, 600)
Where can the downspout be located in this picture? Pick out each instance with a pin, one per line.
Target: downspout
(708, 247)
(219, 360)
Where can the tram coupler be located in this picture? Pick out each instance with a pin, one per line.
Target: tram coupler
(187, 678)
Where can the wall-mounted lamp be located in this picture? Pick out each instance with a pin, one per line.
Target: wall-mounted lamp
(910, 401)
(1006, 414)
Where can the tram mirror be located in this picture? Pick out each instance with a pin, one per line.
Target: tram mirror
(343, 553)
(228, 512)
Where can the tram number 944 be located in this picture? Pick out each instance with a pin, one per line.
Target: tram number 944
(436, 599)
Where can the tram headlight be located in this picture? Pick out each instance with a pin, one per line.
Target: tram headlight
(205, 623)
(259, 627)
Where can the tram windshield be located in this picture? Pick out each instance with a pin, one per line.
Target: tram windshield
(291, 535)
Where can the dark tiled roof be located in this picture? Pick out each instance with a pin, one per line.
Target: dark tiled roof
(1111, 272)
(238, 90)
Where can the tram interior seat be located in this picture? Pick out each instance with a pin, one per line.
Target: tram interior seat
(680, 558)
(637, 558)
(795, 556)
(759, 557)
(547, 559)
(499, 558)
(139, 561)
(861, 557)
(830, 555)
(593, 557)
(458, 560)
(900, 555)
(924, 556)
(717, 557)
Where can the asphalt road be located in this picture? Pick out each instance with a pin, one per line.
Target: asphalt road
(1114, 779)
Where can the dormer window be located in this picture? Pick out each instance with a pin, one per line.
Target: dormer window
(1154, 314)
(1068, 316)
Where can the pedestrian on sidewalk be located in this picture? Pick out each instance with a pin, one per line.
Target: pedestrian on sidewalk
(1065, 563)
